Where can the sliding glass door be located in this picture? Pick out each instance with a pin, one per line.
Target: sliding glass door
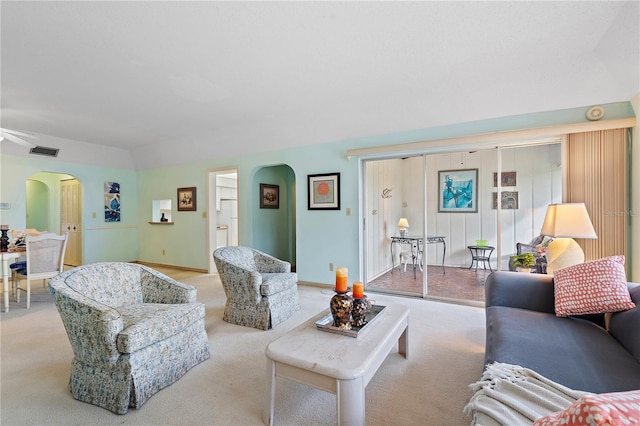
(459, 228)
(394, 190)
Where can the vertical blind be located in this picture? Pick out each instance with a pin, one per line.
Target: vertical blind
(597, 173)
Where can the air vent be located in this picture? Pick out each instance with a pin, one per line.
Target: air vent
(43, 150)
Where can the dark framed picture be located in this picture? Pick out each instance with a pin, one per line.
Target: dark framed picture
(187, 199)
(458, 191)
(324, 191)
(269, 196)
(508, 179)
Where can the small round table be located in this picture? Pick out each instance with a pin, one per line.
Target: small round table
(481, 254)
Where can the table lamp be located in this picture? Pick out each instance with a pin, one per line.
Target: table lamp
(403, 224)
(564, 222)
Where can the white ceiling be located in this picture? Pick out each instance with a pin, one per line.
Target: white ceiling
(179, 81)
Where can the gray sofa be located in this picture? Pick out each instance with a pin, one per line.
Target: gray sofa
(577, 352)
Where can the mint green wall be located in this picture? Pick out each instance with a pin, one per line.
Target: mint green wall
(101, 241)
(185, 242)
(320, 238)
(37, 204)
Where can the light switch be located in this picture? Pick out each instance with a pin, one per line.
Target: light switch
(348, 211)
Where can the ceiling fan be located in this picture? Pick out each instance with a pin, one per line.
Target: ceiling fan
(17, 137)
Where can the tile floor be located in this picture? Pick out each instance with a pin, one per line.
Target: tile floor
(448, 282)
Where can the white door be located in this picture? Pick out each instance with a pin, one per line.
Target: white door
(70, 220)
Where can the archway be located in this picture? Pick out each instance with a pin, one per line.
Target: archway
(274, 228)
(54, 203)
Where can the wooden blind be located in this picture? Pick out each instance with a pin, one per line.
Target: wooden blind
(597, 175)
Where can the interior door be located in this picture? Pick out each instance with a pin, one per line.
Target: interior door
(70, 220)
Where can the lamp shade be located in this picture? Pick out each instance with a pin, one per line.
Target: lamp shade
(403, 223)
(568, 220)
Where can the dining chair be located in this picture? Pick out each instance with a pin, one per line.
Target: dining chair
(410, 253)
(45, 260)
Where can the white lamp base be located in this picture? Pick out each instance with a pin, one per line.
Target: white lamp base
(563, 252)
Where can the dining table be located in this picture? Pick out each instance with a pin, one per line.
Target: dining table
(11, 253)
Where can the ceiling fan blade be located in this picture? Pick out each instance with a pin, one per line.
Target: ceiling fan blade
(17, 140)
(3, 132)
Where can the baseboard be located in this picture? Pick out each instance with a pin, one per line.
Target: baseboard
(162, 265)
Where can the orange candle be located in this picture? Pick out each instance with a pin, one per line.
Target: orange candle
(358, 290)
(342, 278)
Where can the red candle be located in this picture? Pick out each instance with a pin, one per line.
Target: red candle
(342, 278)
(358, 290)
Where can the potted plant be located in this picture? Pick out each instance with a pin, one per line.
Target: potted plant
(524, 262)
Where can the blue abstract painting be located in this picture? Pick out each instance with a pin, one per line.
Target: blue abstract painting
(111, 202)
(458, 191)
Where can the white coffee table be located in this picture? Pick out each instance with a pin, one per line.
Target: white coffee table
(334, 363)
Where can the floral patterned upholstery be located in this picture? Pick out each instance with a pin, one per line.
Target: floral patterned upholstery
(261, 289)
(128, 326)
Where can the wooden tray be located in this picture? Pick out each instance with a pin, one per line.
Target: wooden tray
(326, 323)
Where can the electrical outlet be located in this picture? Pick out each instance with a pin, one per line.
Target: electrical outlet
(331, 266)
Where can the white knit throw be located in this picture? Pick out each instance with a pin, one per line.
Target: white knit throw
(513, 395)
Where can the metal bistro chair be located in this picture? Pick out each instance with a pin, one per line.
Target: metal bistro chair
(45, 260)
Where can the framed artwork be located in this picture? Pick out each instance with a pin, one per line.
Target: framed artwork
(509, 200)
(269, 196)
(508, 179)
(187, 199)
(458, 191)
(111, 202)
(324, 191)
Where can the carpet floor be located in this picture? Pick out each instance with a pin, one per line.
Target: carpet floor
(446, 352)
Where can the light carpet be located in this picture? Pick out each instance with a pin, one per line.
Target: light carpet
(446, 353)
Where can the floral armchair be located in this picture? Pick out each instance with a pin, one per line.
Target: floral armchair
(261, 290)
(133, 331)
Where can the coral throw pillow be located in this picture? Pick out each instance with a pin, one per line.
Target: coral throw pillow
(617, 408)
(593, 287)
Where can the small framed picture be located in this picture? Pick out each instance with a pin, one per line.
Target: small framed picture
(458, 191)
(324, 191)
(187, 199)
(269, 196)
(509, 200)
(508, 179)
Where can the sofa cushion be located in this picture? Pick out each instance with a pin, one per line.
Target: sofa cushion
(574, 352)
(148, 323)
(592, 288)
(273, 283)
(615, 408)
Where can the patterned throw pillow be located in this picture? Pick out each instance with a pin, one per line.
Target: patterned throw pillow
(593, 287)
(617, 408)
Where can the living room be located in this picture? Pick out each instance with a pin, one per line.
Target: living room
(541, 90)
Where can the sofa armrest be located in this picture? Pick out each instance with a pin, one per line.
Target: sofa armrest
(92, 328)
(518, 290)
(268, 264)
(159, 288)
